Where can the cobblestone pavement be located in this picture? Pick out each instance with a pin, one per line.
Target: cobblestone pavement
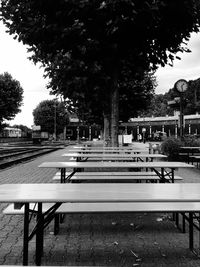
(145, 240)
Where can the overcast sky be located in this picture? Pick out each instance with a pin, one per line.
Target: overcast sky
(187, 68)
(13, 59)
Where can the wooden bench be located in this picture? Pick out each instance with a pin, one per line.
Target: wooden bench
(115, 173)
(183, 157)
(189, 155)
(115, 176)
(195, 158)
(49, 266)
(119, 207)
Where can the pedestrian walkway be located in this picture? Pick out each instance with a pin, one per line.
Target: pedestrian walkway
(147, 240)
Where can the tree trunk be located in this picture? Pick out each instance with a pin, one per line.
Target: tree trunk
(107, 119)
(114, 97)
(115, 118)
(111, 108)
(64, 132)
(107, 137)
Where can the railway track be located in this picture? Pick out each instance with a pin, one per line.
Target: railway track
(13, 156)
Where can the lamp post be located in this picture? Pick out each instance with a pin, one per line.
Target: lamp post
(55, 121)
(181, 86)
(143, 134)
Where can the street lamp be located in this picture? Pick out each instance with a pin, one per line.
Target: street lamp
(181, 86)
(55, 121)
(143, 134)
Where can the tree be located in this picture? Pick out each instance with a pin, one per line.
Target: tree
(100, 36)
(158, 107)
(50, 114)
(11, 96)
(191, 101)
(26, 132)
(192, 97)
(135, 95)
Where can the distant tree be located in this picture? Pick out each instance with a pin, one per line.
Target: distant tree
(158, 106)
(11, 96)
(191, 101)
(22, 127)
(26, 131)
(49, 112)
(192, 97)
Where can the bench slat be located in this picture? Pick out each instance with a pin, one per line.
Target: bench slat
(106, 173)
(110, 173)
(115, 176)
(114, 207)
(118, 177)
(48, 266)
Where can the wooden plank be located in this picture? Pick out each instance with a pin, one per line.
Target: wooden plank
(99, 173)
(109, 192)
(113, 207)
(49, 266)
(190, 147)
(121, 156)
(106, 147)
(118, 177)
(87, 151)
(155, 164)
(195, 157)
(152, 176)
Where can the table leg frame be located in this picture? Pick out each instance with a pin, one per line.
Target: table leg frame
(164, 173)
(42, 221)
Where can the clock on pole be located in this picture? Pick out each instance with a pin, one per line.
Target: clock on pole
(181, 85)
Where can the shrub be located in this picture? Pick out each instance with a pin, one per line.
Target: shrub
(191, 140)
(171, 147)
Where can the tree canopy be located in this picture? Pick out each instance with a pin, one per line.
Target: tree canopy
(85, 45)
(148, 30)
(11, 96)
(51, 113)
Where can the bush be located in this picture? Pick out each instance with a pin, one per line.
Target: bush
(171, 147)
(191, 140)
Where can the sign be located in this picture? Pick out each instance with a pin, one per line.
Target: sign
(143, 130)
(36, 127)
(127, 138)
(73, 119)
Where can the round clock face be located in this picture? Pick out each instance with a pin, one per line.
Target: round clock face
(181, 85)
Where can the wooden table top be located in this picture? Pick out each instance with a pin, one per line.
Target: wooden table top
(97, 164)
(106, 147)
(123, 192)
(113, 155)
(190, 147)
(87, 151)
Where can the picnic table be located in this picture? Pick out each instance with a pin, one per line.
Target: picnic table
(114, 156)
(191, 148)
(110, 151)
(106, 147)
(127, 197)
(190, 151)
(164, 169)
(107, 151)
